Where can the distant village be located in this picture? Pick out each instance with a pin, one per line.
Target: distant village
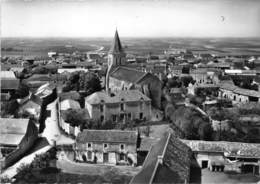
(147, 118)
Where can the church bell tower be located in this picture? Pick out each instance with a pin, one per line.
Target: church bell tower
(116, 57)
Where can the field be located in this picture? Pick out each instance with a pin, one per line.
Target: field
(140, 46)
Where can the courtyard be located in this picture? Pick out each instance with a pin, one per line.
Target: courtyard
(227, 177)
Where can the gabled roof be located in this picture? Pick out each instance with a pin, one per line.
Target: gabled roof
(127, 74)
(69, 104)
(39, 77)
(124, 95)
(116, 45)
(9, 84)
(7, 75)
(107, 136)
(74, 95)
(168, 161)
(12, 130)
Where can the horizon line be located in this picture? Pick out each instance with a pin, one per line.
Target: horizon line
(109, 37)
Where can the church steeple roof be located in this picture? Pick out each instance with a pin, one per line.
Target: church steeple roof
(116, 45)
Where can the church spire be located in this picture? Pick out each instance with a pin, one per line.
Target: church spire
(116, 45)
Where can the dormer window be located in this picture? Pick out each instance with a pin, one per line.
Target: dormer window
(122, 147)
(105, 146)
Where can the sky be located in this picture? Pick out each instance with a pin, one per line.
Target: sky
(132, 18)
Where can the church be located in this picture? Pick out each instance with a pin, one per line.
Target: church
(120, 77)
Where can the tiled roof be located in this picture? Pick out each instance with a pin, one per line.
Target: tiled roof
(69, 104)
(245, 149)
(127, 74)
(9, 84)
(39, 77)
(238, 90)
(125, 95)
(74, 95)
(169, 155)
(12, 130)
(107, 136)
(7, 75)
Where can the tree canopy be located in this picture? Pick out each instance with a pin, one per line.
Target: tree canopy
(192, 124)
(83, 81)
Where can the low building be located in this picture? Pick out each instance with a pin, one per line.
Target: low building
(16, 138)
(9, 84)
(107, 146)
(237, 94)
(121, 106)
(242, 157)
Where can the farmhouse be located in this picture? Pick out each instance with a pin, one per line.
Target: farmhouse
(243, 157)
(118, 107)
(237, 94)
(107, 146)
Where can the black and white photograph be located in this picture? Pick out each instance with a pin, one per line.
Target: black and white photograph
(130, 91)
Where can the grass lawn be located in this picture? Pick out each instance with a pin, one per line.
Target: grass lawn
(220, 177)
(40, 176)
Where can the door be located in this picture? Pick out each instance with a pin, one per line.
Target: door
(105, 157)
(204, 164)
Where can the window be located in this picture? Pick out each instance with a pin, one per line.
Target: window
(89, 145)
(122, 147)
(121, 156)
(114, 117)
(48, 113)
(129, 116)
(101, 108)
(142, 103)
(102, 118)
(141, 115)
(122, 106)
(122, 117)
(105, 146)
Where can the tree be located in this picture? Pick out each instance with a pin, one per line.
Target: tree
(22, 91)
(9, 108)
(82, 81)
(191, 123)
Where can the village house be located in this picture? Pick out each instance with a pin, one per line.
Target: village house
(119, 106)
(30, 105)
(9, 84)
(16, 137)
(107, 146)
(202, 75)
(221, 155)
(237, 94)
